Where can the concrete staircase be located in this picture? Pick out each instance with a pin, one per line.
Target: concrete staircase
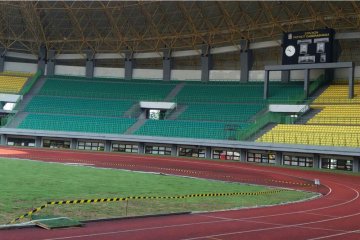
(176, 113)
(136, 126)
(19, 117)
(174, 92)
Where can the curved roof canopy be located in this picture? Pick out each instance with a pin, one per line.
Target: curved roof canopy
(151, 26)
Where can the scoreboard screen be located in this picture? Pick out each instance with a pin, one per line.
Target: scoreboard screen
(315, 46)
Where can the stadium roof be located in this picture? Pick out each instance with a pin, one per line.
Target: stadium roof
(151, 26)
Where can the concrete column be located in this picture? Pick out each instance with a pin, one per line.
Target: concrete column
(107, 146)
(278, 158)
(50, 67)
(351, 81)
(129, 65)
(243, 155)
(246, 60)
(316, 163)
(141, 148)
(208, 153)
(285, 76)
(2, 58)
(266, 84)
(3, 139)
(90, 63)
(73, 144)
(306, 82)
(206, 63)
(42, 58)
(167, 65)
(38, 142)
(356, 165)
(174, 152)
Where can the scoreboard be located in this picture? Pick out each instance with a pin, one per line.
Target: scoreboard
(315, 46)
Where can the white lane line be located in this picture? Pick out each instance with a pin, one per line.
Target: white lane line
(335, 235)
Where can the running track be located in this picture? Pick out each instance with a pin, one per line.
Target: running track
(335, 215)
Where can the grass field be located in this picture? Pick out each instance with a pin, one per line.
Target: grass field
(29, 184)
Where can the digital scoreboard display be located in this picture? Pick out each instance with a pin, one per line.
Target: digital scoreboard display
(315, 46)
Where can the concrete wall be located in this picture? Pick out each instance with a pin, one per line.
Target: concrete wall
(70, 70)
(20, 67)
(109, 72)
(228, 75)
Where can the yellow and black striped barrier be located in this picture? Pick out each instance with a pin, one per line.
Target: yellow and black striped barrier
(119, 199)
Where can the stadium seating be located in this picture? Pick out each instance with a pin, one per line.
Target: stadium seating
(220, 112)
(239, 93)
(338, 115)
(189, 129)
(105, 89)
(338, 94)
(346, 136)
(11, 84)
(78, 106)
(76, 123)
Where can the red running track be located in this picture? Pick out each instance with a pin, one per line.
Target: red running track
(335, 215)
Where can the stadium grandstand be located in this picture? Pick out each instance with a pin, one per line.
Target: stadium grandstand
(249, 81)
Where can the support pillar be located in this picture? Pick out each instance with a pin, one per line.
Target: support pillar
(266, 84)
(285, 76)
(90, 63)
(107, 146)
(316, 159)
(246, 60)
(42, 58)
(73, 144)
(278, 158)
(351, 81)
(167, 65)
(208, 153)
(174, 151)
(306, 82)
(38, 142)
(3, 139)
(356, 165)
(242, 155)
(50, 67)
(2, 58)
(206, 63)
(129, 65)
(141, 148)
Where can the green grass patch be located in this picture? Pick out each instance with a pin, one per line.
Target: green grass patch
(29, 184)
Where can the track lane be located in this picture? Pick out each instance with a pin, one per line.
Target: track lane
(335, 215)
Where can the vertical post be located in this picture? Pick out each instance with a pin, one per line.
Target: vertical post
(351, 82)
(356, 164)
(208, 152)
(42, 58)
(73, 144)
(38, 142)
(129, 65)
(141, 148)
(50, 67)
(246, 60)
(206, 63)
(174, 150)
(107, 146)
(266, 84)
(167, 65)
(2, 58)
(306, 82)
(89, 68)
(242, 155)
(316, 161)
(3, 139)
(278, 158)
(285, 76)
